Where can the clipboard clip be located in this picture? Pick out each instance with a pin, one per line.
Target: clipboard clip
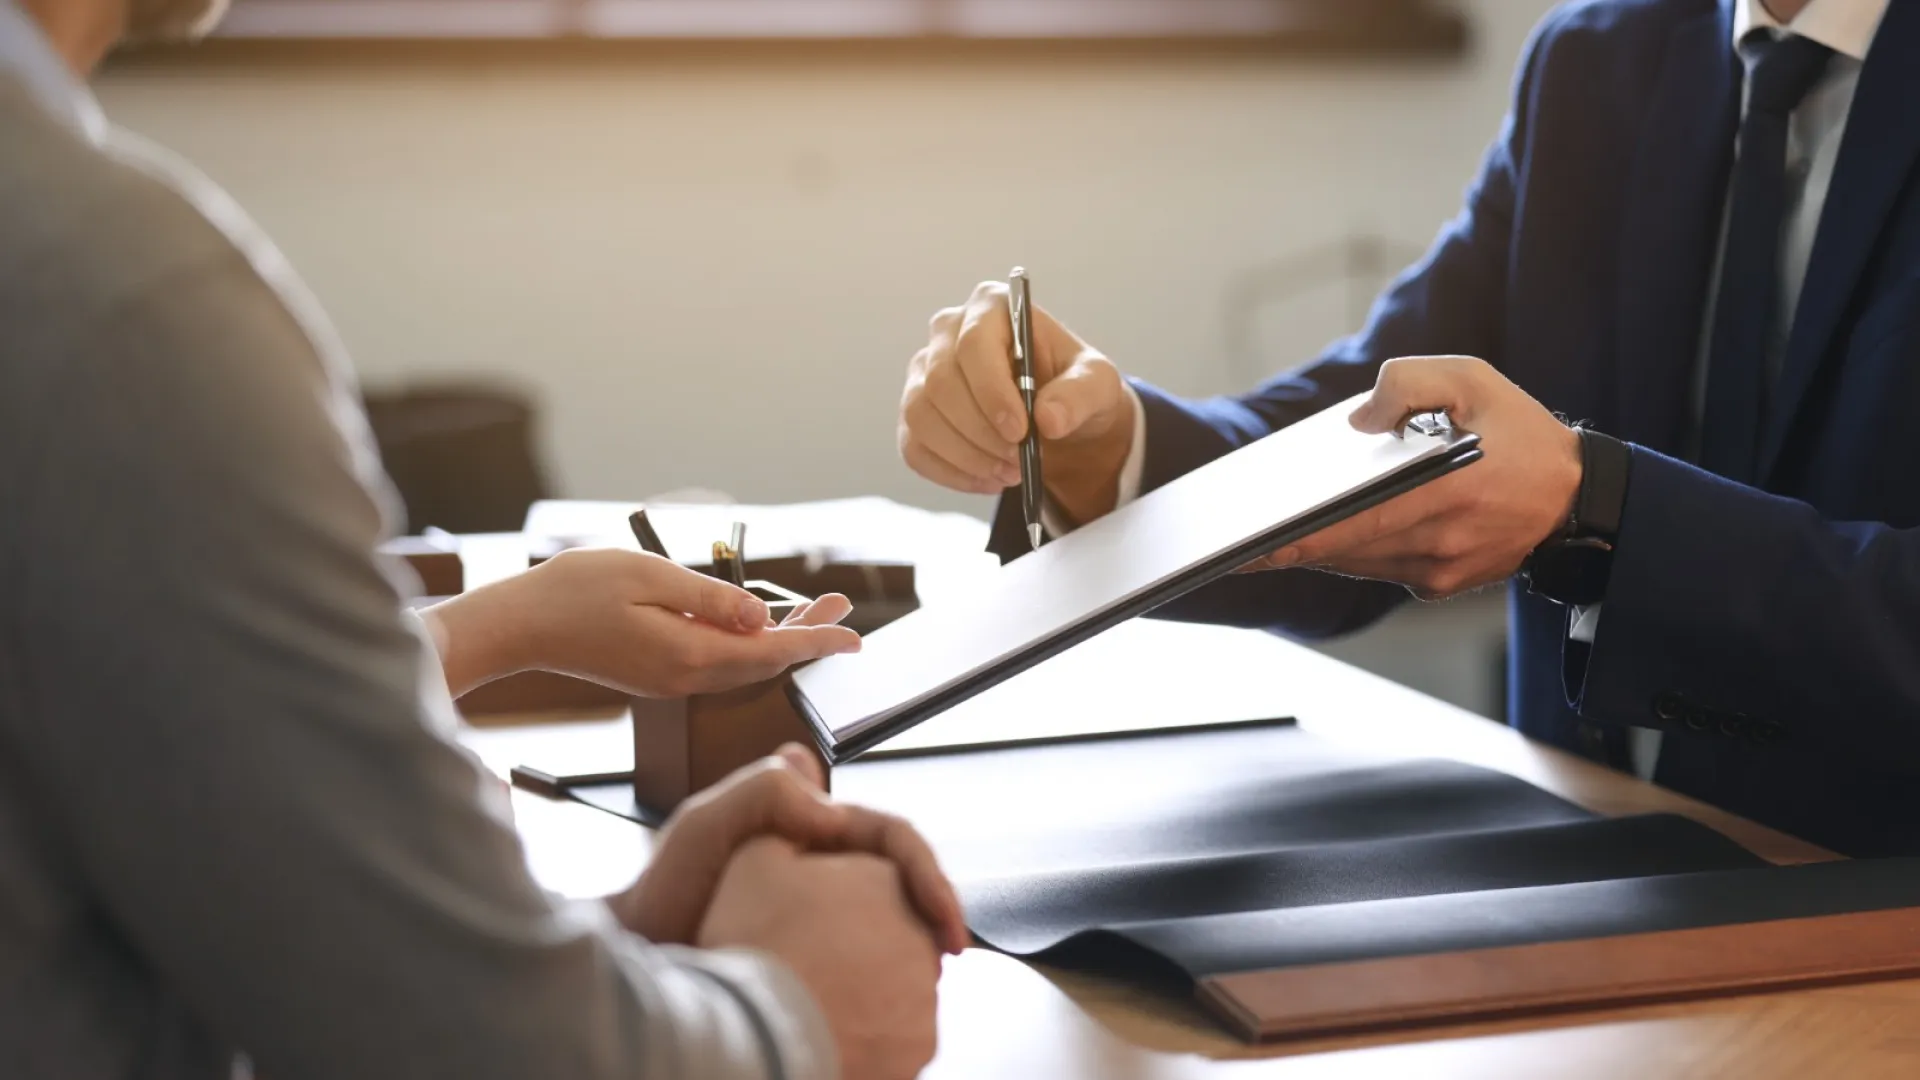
(1436, 424)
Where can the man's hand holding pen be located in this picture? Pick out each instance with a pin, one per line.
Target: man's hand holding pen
(961, 417)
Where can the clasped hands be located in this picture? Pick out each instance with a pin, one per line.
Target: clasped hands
(851, 900)
(961, 424)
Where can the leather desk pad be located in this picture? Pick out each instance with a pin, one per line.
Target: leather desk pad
(1300, 888)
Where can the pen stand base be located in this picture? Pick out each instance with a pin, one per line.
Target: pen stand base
(684, 745)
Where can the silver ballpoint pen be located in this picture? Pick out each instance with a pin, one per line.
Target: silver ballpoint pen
(1032, 489)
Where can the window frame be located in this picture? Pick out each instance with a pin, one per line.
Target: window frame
(1334, 26)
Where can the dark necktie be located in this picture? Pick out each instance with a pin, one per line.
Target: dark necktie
(1745, 311)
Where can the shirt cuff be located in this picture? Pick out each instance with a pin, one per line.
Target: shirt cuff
(1135, 466)
(1131, 471)
(737, 1013)
(752, 1018)
(1586, 624)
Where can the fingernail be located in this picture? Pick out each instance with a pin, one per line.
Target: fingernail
(753, 613)
(1009, 474)
(1051, 418)
(1008, 424)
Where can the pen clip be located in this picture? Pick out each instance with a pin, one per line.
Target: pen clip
(1017, 314)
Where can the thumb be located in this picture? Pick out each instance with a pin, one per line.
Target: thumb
(1417, 384)
(666, 584)
(1080, 400)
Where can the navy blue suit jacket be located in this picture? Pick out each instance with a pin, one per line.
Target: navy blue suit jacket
(1773, 634)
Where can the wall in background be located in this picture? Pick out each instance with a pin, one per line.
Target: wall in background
(712, 272)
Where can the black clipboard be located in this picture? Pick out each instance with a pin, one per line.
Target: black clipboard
(1192, 531)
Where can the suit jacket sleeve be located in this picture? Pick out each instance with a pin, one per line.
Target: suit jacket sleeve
(223, 726)
(1749, 614)
(1451, 302)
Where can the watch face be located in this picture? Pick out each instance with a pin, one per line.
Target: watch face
(1572, 571)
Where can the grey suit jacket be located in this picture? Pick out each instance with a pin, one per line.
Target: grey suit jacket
(227, 824)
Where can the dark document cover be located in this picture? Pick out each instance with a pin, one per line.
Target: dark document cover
(1172, 540)
(1299, 887)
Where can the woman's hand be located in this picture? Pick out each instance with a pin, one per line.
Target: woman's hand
(629, 620)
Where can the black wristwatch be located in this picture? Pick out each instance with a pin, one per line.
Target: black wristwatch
(1573, 565)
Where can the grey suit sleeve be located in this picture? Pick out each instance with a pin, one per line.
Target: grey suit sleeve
(225, 728)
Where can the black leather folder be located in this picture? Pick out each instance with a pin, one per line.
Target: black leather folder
(1171, 541)
(1298, 888)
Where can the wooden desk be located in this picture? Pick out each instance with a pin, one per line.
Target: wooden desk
(1001, 1018)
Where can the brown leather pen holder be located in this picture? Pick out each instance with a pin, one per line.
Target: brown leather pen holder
(684, 745)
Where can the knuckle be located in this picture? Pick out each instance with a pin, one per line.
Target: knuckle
(771, 774)
(1098, 365)
(756, 784)
(945, 321)
(1444, 582)
(699, 806)
(898, 830)
(1452, 543)
(917, 368)
(943, 380)
(782, 789)
(918, 410)
(988, 292)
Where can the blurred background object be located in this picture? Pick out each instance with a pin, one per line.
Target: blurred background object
(462, 456)
(705, 258)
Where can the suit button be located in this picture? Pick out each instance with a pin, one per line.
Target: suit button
(1670, 707)
(1762, 732)
(1732, 725)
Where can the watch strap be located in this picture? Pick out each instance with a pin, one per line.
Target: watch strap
(1602, 501)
